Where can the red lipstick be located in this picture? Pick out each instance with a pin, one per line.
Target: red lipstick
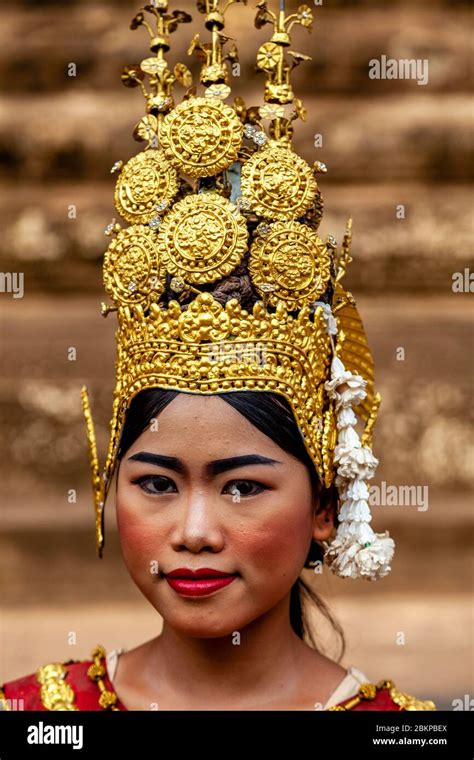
(198, 582)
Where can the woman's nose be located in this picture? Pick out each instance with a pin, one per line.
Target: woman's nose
(198, 522)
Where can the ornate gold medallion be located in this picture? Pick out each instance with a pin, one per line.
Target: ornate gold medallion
(201, 136)
(133, 272)
(145, 181)
(203, 238)
(292, 259)
(278, 183)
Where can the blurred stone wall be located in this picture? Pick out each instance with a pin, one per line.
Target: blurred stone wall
(400, 162)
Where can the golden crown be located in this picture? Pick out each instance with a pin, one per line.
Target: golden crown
(214, 198)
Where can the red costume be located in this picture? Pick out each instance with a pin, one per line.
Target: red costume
(85, 685)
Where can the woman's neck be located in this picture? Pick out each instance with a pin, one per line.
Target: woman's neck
(264, 663)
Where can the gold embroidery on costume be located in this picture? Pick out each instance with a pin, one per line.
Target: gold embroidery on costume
(407, 701)
(55, 692)
(368, 691)
(96, 672)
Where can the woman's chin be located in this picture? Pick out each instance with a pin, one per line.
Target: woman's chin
(204, 617)
(196, 627)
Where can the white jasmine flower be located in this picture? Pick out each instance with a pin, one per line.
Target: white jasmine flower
(355, 510)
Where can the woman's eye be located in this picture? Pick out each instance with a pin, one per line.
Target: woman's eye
(239, 488)
(155, 484)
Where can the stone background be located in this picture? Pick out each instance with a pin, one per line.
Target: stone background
(386, 143)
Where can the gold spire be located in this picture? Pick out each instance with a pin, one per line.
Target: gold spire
(214, 72)
(272, 59)
(159, 98)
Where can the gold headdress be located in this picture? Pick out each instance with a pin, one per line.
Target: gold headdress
(213, 194)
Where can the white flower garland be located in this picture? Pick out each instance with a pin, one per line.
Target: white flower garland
(356, 551)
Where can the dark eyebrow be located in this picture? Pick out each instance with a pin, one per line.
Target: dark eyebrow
(212, 468)
(222, 465)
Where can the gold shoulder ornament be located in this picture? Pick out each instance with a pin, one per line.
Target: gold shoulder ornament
(368, 692)
(55, 692)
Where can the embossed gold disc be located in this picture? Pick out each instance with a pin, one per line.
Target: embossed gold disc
(133, 272)
(203, 238)
(145, 180)
(201, 136)
(279, 183)
(294, 260)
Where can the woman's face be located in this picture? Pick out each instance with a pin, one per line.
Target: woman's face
(186, 498)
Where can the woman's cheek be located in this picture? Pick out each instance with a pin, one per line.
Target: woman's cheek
(138, 542)
(278, 544)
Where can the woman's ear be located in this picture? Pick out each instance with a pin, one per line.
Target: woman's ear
(324, 520)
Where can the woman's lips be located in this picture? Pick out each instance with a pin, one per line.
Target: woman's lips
(197, 584)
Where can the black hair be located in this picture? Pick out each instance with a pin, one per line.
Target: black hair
(271, 413)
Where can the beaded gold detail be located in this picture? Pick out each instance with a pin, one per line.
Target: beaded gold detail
(292, 258)
(203, 238)
(368, 691)
(55, 692)
(407, 701)
(278, 183)
(146, 180)
(201, 136)
(96, 672)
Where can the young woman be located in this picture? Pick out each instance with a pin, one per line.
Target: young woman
(232, 470)
(219, 510)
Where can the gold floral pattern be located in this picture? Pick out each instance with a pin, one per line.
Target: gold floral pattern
(278, 183)
(146, 180)
(294, 260)
(201, 136)
(203, 238)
